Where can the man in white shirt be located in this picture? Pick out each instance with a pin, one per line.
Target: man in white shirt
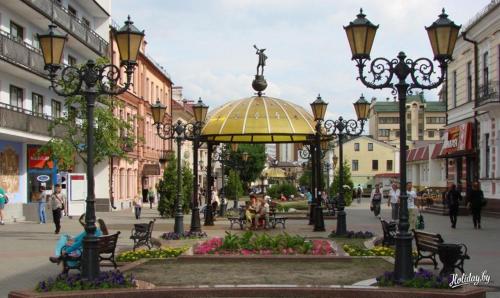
(393, 201)
(412, 212)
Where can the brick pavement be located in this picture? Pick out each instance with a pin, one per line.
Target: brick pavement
(25, 247)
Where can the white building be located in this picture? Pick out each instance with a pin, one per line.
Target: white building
(424, 167)
(26, 103)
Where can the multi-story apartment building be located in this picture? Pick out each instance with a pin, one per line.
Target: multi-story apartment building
(425, 120)
(368, 157)
(27, 105)
(473, 141)
(140, 171)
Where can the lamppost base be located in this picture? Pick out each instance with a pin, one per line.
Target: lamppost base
(403, 266)
(319, 223)
(179, 223)
(195, 220)
(90, 258)
(341, 223)
(209, 216)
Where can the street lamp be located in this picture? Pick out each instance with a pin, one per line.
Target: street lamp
(180, 132)
(341, 128)
(442, 36)
(90, 81)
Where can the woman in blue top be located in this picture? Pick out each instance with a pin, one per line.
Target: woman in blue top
(3, 197)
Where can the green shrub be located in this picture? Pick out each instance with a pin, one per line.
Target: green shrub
(276, 190)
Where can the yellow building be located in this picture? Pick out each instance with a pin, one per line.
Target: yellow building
(368, 157)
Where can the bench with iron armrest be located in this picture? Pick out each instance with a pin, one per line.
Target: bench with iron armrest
(389, 229)
(106, 249)
(141, 234)
(427, 246)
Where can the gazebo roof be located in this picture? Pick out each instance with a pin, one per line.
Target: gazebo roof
(259, 119)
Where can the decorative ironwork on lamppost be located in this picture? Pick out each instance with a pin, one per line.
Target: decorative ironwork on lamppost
(307, 153)
(90, 81)
(339, 129)
(180, 132)
(443, 35)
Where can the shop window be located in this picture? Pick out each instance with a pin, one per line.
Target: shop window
(356, 146)
(16, 96)
(375, 165)
(355, 165)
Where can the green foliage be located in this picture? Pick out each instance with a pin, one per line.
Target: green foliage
(76, 282)
(111, 134)
(187, 187)
(233, 188)
(161, 253)
(335, 187)
(305, 179)
(298, 205)
(167, 187)
(276, 190)
(249, 170)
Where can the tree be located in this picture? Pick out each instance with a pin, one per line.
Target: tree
(233, 189)
(335, 187)
(187, 187)
(251, 169)
(305, 179)
(167, 188)
(112, 134)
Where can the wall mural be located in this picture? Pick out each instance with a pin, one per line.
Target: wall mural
(9, 167)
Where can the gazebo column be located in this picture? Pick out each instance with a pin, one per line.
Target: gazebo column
(209, 215)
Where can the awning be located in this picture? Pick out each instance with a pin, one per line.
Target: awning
(274, 172)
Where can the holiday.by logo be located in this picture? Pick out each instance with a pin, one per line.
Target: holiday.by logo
(466, 279)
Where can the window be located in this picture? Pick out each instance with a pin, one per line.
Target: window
(389, 165)
(435, 120)
(469, 81)
(56, 109)
(383, 132)
(356, 146)
(430, 134)
(396, 133)
(37, 100)
(355, 165)
(487, 155)
(58, 2)
(388, 120)
(16, 32)
(454, 88)
(36, 42)
(16, 96)
(71, 60)
(86, 22)
(485, 72)
(370, 146)
(375, 165)
(72, 11)
(441, 133)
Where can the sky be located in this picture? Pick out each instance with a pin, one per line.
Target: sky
(207, 45)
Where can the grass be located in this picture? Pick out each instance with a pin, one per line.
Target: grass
(179, 272)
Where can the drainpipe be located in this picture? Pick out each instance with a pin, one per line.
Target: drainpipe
(476, 95)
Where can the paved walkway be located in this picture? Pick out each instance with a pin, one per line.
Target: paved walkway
(25, 247)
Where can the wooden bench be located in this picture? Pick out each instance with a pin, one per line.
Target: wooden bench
(427, 246)
(389, 229)
(273, 221)
(141, 234)
(106, 249)
(236, 220)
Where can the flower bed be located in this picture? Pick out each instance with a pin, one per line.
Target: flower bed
(184, 235)
(250, 243)
(161, 253)
(422, 279)
(352, 234)
(72, 282)
(354, 250)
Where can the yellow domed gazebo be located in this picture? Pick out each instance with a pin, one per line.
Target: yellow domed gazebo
(259, 119)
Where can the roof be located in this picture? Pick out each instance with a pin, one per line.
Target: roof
(259, 119)
(393, 106)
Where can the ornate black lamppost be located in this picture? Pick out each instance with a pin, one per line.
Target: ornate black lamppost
(90, 81)
(307, 152)
(341, 128)
(442, 35)
(181, 132)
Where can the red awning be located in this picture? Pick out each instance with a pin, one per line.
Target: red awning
(410, 154)
(437, 150)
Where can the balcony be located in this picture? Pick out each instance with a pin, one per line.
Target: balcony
(25, 120)
(71, 24)
(488, 94)
(21, 54)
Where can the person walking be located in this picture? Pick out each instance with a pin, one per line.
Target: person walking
(393, 201)
(476, 202)
(3, 200)
(57, 200)
(151, 198)
(138, 206)
(412, 211)
(453, 197)
(376, 199)
(359, 193)
(42, 203)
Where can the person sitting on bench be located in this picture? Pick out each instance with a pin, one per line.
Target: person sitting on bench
(263, 212)
(251, 211)
(73, 245)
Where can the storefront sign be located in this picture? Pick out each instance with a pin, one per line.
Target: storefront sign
(151, 170)
(38, 161)
(458, 138)
(43, 178)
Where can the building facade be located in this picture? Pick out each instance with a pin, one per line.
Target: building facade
(140, 171)
(27, 105)
(425, 120)
(368, 157)
(473, 100)
(425, 167)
